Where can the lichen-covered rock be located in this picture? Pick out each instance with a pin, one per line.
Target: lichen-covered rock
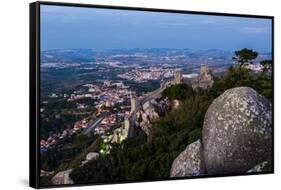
(62, 178)
(237, 131)
(190, 162)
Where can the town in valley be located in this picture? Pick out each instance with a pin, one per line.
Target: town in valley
(107, 99)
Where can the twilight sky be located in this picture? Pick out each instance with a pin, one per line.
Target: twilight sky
(76, 27)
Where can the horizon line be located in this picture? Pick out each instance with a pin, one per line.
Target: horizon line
(103, 49)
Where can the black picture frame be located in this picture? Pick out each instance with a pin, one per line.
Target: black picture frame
(34, 86)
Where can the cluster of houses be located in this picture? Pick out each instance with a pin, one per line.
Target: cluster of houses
(143, 75)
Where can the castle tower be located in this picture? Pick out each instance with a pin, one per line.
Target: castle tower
(204, 70)
(134, 103)
(178, 77)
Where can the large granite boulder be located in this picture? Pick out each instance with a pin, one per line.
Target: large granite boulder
(237, 131)
(62, 178)
(190, 162)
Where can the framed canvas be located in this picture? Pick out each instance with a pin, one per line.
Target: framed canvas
(126, 94)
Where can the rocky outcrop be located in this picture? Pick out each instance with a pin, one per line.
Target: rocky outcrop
(175, 104)
(262, 167)
(236, 137)
(146, 126)
(150, 112)
(90, 156)
(62, 178)
(150, 109)
(237, 131)
(190, 162)
(46, 173)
